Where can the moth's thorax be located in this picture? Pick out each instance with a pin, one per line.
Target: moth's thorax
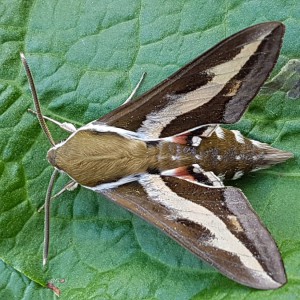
(92, 158)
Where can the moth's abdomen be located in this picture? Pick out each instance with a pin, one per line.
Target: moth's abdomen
(229, 154)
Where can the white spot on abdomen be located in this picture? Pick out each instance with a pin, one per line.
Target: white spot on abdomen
(237, 175)
(197, 169)
(220, 132)
(196, 140)
(257, 144)
(238, 136)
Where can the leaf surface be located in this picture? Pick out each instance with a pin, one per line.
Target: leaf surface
(86, 57)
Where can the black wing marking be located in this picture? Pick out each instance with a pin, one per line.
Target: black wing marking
(215, 88)
(195, 174)
(218, 225)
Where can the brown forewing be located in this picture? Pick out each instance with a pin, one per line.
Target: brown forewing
(229, 104)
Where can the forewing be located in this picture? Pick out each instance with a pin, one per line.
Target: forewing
(214, 88)
(216, 224)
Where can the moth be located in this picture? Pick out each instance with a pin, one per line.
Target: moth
(165, 157)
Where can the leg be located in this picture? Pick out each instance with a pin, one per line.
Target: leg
(135, 89)
(71, 186)
(65, 126)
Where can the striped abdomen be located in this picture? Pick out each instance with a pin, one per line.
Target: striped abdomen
(226, 153)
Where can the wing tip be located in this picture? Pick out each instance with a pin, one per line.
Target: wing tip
(269, 26)
(272, 282)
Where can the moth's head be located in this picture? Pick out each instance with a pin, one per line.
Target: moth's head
(57, 157)
(51, 156)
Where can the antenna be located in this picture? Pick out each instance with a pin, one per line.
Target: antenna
(36, 100)
(55, 172)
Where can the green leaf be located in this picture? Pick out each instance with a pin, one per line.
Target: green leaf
(86, 57)
(14, 285)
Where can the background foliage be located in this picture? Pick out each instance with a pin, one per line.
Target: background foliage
(86, 56)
